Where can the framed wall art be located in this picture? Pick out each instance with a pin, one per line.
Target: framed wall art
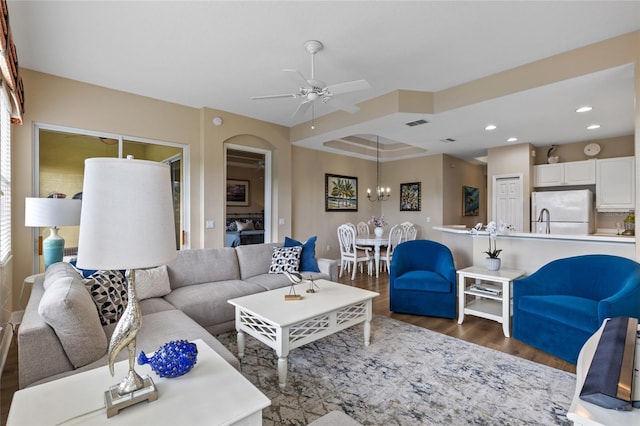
(340, 193)
(470, 201)
(237, 192)
(410, 197)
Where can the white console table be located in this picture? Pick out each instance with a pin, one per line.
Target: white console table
(494, 302)
(586, 414)
(212, 393)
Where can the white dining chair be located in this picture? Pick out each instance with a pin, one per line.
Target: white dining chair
(350, 255)
(395, 238)
(363, 228)
(409, 231)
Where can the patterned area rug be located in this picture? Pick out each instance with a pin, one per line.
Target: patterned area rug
(407, 376)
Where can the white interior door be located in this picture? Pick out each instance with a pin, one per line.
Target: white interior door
(508, 202)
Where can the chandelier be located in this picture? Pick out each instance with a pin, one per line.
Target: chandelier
(381, 194)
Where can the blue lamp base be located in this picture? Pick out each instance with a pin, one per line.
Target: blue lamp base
(52, 248)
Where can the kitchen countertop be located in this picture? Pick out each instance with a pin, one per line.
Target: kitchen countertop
(597, 237)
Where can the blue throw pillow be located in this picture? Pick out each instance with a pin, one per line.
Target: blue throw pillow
(308, 261)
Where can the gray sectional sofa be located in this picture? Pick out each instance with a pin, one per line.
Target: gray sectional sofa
(60, 335)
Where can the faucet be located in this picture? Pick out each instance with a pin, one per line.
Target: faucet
(541, 218)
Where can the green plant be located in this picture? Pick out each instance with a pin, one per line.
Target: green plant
(493, 251)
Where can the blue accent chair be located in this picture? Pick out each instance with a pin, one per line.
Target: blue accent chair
(558, 307)
(422, 279)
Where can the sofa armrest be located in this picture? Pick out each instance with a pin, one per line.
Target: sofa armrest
(329, 267)
(40, 353)
(625, 302)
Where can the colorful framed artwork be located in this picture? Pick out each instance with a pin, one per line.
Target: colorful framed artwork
(470, 201)
(237, 192)
(410, 196)
(340, 193)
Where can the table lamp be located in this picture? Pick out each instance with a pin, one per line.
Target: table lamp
(126, 223)
(52, 212)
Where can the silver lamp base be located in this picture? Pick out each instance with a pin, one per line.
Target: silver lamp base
(115, 402)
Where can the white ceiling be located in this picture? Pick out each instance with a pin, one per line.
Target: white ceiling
(218, 54)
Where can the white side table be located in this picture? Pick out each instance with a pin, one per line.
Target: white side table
(491, 291)
(213, 393)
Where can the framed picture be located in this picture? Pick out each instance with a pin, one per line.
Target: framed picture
(470, 201)
(340, 193)
(237, 192)
(410, 197)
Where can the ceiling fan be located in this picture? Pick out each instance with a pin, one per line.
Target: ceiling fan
(313, 90)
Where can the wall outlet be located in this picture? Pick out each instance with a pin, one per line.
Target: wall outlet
(281, 221)
(428, 219)
(328, 248)
(209, 224)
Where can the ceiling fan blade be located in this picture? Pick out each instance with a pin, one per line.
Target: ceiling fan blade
(304, 80)
(338, 104)
(302, 108)
(350, 86)
(290, 95)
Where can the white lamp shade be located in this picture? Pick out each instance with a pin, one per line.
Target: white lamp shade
(51, 212)
(127, 215)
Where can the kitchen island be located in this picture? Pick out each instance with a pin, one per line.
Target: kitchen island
(528, 251)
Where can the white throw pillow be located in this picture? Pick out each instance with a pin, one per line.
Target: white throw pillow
(68, 308)
(245, 226)
(152, 282)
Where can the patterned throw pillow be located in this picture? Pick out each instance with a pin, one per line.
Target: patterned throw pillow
(285, 259)
(109, 292)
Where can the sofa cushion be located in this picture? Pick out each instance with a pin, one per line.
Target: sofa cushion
(199, 266)
(285, 259)
(207, 303)
(109, 292)
(59, 270)
(422, 281)
(68, 308)
(254, 259)
(152, 282)
(308, 260)
(576, 311)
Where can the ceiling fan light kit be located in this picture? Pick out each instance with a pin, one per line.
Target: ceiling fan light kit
(313, 89)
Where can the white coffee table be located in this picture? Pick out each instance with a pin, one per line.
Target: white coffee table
(207, 395)
(285, 325)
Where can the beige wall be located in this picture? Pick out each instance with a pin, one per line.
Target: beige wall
(513, 160)
(308, 188)
(61, 102)
(621, 146)
(456, 174)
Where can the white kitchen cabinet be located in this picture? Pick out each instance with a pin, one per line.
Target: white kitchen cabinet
(615, 184)
(562, 174)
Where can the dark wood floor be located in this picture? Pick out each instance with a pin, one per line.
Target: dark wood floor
(476, 330)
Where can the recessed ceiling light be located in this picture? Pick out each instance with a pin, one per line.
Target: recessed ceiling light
(593, 127)
(491, 127)
(512, 139)
(584, 109)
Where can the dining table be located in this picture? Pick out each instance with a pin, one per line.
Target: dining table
(372, 240)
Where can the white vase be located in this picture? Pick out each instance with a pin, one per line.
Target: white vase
(493, 264)
(378, 231)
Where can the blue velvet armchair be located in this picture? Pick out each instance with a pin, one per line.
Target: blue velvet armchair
(422, 279)
(558, 307)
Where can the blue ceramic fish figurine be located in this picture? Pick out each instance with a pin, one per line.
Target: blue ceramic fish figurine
(172, 359)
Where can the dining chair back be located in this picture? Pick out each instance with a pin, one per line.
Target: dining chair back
(395, 237)
(409, 231)
(363, 228)
(350, 254)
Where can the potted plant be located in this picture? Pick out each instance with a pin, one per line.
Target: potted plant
(379, 223)
(493, 259)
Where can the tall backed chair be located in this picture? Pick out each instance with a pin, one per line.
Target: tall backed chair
(395, 238)
(350, 254)
(422, 279)
(362, 228)
(558, 307)
(409, 231)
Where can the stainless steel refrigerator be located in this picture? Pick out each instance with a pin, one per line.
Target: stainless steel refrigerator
(562, 212)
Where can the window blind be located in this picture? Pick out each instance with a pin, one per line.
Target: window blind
(5, 177)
